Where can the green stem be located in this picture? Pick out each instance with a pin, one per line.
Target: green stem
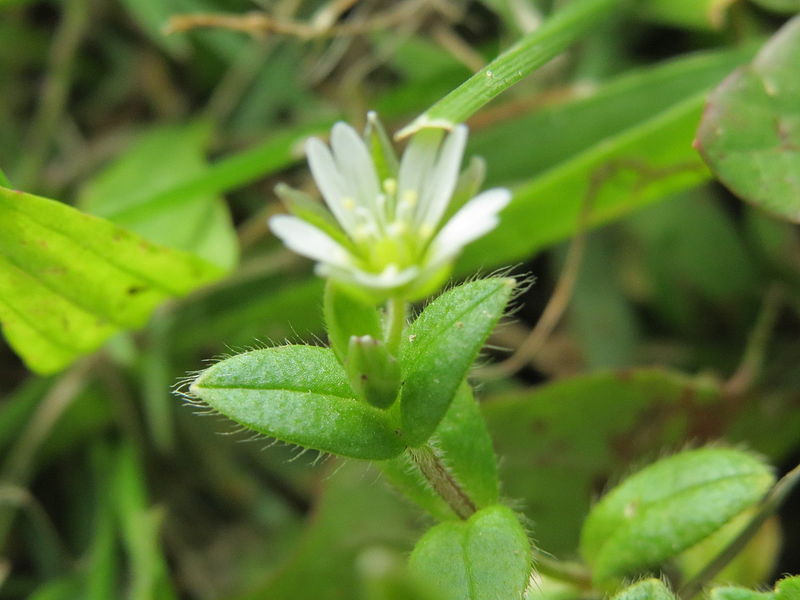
(442, 482)
(396, 310)
(54, 93)
(768, 507)
(569, 572)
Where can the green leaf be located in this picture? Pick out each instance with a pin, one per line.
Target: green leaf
(351, 514)
(463, 441)
(780, 6)
(201, 223)
(69, 281)
(140, 525)
(347, 316)
(750, 133)
(300, 395)
(668, 507)
(785, 589)
(737, 593)
(4, 182)
(691, 14)
(534, 143)
(788, 588)
(484, 558)
(649, 589)
(529, 53)
(439, 349)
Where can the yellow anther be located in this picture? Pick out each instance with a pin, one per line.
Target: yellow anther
(426, 231)
(348, 203)
(390, 186)
(410, 197)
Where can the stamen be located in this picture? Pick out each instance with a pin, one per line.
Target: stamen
(410, 198)
(348, 203)
(390, 186)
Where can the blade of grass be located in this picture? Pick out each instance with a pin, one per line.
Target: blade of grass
(528, 54)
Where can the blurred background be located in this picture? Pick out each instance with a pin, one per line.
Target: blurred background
(176, 118)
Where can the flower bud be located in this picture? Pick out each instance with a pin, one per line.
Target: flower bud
(374, 372)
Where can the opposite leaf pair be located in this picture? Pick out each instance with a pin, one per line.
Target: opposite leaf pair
(303, 394)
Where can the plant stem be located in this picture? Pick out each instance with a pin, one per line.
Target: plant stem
(54, 93)
(570, 572)
(442, 481)
(768, 507)
(396, 309)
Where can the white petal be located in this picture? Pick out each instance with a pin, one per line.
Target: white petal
(330, 182)
(443, 178)
(389, 279)
(356, 166)
(418, 160)
(475, 219)
(309, 241)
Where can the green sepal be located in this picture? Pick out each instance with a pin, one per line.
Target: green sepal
(486, 557)
(648, 589)
(305, 207)
(381, 149)
(465, 446)
(668, 507)
(374, 373)
(467, 187)
(300, 395)
(439, 349)
(346, 316)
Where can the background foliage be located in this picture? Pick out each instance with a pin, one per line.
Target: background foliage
(681, 328)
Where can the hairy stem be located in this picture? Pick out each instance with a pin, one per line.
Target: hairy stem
(442, 482)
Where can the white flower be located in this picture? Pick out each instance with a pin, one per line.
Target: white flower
(388, 237)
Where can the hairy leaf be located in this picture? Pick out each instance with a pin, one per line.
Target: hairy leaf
(484, 558)
(668, 507)
(439, 349)
(298, 394)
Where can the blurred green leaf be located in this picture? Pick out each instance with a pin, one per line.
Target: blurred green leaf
(140, 525)
(352, 514)
(300, 395)
(780, 6)
(631, 169)
(529, 53)
(201, 223)
(439, 347)
(649, 589)
(484, 558)
(788, 588)
(528, 145)
(692, 14)
(68, 281)
(750, 133)
(668, 507)
(559, 440)
(751, 567)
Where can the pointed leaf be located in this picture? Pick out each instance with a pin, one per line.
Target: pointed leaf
(69, 281)
(440, 348)
(487, 557)
(298, 394)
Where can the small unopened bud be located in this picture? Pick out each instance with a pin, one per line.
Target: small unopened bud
(374, 372)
